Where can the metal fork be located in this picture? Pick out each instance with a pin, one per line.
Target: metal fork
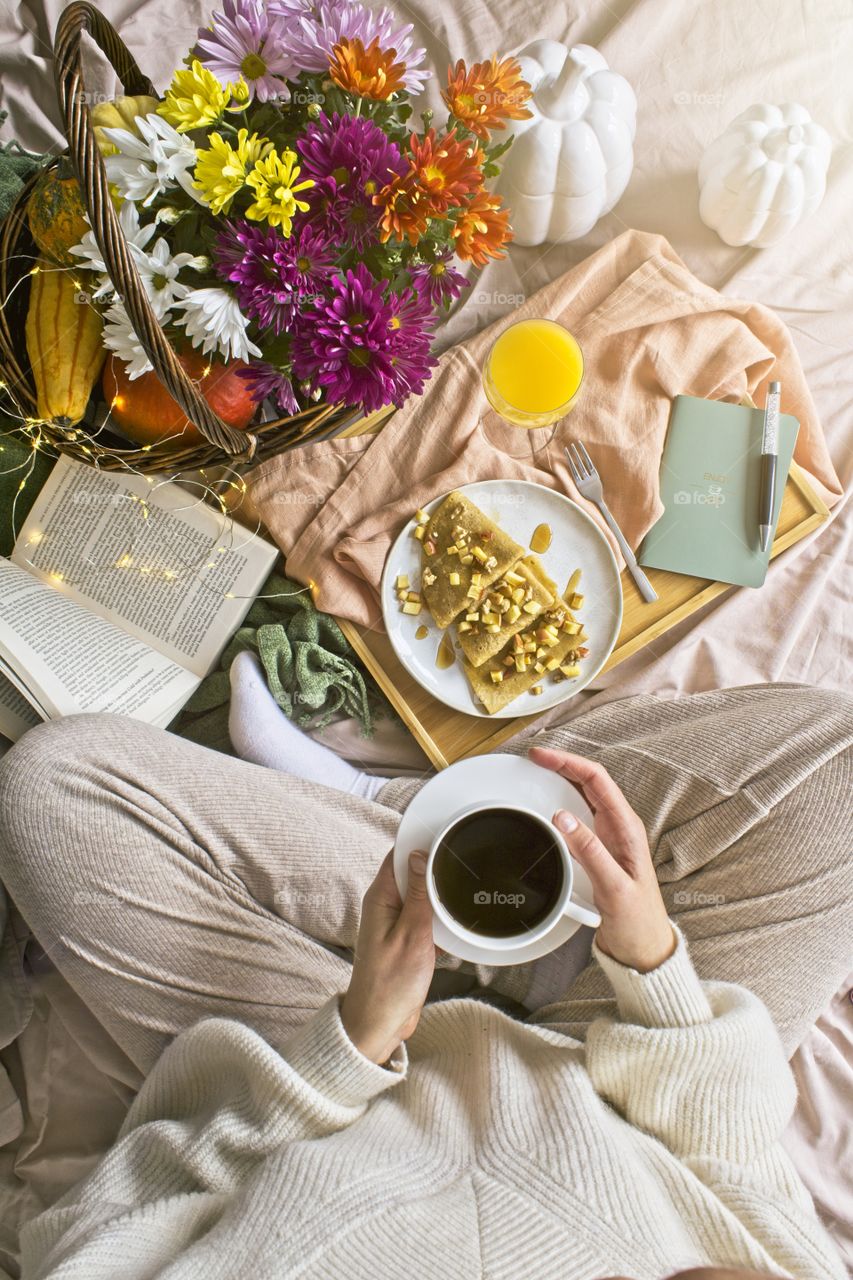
(588, 481)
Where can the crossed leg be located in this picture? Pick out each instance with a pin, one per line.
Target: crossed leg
(168, 883)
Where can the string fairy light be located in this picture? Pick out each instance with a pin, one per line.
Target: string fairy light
(104, 456)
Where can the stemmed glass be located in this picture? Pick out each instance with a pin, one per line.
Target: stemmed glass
(533, 373)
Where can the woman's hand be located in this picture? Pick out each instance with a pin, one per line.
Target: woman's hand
(393, 963)
(634, 926)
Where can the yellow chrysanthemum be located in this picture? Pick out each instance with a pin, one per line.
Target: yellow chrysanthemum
(195, 98)
(220, 171)
(240, 95)
(273, 181)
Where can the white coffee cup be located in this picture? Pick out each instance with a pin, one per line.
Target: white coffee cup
(564, 905)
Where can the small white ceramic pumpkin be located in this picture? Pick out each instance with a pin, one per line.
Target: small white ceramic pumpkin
(571, 160)
(764, 174)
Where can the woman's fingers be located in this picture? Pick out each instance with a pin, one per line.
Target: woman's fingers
(382, 900)
(416, 914)
(599, 789)
(584, 845)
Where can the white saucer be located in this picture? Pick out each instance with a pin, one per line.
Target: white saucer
(479, 780)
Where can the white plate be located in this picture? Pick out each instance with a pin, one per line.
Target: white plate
(478, 781)
(577, 543)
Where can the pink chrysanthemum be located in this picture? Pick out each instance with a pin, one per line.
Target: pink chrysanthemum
(314, 27)
(245, 40)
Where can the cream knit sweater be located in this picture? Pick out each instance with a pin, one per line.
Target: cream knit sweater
(498, 1149)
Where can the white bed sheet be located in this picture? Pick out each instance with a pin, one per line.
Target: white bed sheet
(694, 66)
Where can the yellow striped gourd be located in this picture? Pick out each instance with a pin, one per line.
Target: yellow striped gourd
(63, 332)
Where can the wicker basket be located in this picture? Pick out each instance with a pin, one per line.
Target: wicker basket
(18, 251)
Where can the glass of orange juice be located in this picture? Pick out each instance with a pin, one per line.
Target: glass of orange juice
(533, 373)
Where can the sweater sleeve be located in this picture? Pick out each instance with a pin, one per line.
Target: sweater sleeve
(216, 1104)
(700, 1067)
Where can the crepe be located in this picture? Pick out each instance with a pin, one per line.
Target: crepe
(494, 697)
(493, 553)
(479, 644)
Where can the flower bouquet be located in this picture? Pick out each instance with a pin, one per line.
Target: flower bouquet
(285, 217)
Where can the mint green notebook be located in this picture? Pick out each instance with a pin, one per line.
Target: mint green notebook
(709, 482)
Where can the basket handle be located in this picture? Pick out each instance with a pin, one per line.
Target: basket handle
(94, 189)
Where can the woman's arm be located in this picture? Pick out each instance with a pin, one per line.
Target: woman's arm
(220, 1100)
(698, 1066)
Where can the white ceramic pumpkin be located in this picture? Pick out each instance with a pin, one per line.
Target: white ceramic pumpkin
(571, 160)
(764, 174)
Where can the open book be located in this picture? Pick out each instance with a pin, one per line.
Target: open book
(120, 595)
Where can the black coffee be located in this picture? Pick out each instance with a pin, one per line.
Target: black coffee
(498, 872)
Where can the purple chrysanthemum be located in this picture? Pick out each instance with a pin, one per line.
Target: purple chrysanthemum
(276, 278)
(351, 150)
(438, 281)
(412, 323)
(314, 27)
(362, 347)
(267, 383)
(245, 40)
(349, 159)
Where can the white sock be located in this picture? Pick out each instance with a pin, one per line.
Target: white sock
(261, 733)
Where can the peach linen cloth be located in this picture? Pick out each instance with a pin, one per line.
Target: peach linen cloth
(649, 330)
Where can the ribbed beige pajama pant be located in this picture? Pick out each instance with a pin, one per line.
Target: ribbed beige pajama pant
(167, 882)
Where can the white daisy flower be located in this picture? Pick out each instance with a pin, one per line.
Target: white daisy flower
(158, 270)
(120, 337)
(137, 238)
(147, 166)
(214, 321)
(158, 267)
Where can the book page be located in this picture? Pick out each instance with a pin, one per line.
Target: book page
(74, 661)
(149, 557)
(16, 713)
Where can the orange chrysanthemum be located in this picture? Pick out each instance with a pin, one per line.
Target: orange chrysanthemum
(482, 229)
(369, 73)
(487, 95)
(446, 170)
(405, 210)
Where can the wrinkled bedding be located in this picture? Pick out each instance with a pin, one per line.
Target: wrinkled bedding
(693, 67)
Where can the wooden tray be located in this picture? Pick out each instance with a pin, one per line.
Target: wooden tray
(447, 735)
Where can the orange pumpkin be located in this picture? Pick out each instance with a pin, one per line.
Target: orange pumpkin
(145, 411)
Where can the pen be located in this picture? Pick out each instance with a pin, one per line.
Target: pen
(769, 450)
